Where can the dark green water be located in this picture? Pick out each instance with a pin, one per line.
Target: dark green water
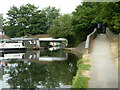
(38, 69)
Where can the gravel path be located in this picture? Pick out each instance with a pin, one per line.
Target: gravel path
(103, 73)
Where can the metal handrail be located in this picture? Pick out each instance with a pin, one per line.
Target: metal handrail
(87, 45)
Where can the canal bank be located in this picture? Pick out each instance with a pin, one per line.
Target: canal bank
(82, 77)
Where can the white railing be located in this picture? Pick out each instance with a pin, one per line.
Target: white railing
(89, 39)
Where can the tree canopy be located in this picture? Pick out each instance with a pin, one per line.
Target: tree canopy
(1, 20)
(29, 20)
(89, 14)
(85, 18)
(61, 27)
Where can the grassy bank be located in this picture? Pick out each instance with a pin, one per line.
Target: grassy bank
(81, 79)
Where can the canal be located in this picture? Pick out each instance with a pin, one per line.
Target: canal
(37, 69)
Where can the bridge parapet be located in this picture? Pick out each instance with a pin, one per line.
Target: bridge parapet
(89, 41)
(111, 35)
(119, 50)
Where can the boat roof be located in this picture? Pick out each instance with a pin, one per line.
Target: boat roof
(52, 39)
(5, 40)
(21, 38)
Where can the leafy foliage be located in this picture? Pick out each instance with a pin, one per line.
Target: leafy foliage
(1, 20)
(50, 13)
(89, 14)
(61, 27)
(86, 16)
(28, 20)
(84, 19)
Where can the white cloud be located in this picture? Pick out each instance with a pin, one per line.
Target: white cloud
(66, 6)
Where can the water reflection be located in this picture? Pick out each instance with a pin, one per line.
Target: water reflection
(30, 72)
(53, 48)
(36, 55)
(6, 56)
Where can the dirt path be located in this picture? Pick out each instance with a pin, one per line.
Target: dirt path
(103, 73)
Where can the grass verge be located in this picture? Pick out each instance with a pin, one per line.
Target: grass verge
(80, 81)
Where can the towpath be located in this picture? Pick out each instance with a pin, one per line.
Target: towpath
(103, 73)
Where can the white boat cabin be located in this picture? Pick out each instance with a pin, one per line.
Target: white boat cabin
(2, 32)
(8, 44)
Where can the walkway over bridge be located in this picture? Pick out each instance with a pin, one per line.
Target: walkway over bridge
(103, 73)
(93, 35)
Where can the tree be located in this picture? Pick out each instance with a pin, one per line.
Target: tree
(108, 12)
(1, 20)
(62, 27)
(28, 20)
(21, 20)
(50, 13)
(81, 22)
(86, 16)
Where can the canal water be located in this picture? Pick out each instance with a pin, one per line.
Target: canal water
(37, 69)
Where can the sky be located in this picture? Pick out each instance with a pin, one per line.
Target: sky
(65, 6)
